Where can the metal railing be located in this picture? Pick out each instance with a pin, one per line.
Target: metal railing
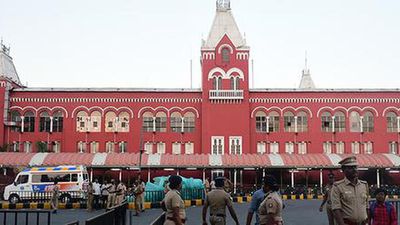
(114, 216)
(64, 196)
(226, 94)
(160, 220)
(17, 218)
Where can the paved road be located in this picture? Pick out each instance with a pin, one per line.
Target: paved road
(295, 213)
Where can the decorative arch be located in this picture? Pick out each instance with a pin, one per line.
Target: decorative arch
(267, 110)
(361, 110)
(304, 108)
(55, 108)
(81, 108)
(96, 108)
(332, 110)
(392, 109)
(288, 109)
(215, 70)
(235, 70)
(123, 108)
(152, 110)
(110, 109)
(225, 46)
(184, 110)
(43, 109)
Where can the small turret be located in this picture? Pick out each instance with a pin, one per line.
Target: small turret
(306, 80)
(7, 68)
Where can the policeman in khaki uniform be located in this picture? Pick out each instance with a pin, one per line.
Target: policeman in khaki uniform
(350, 196)
(218, 200)
(328, 201)
(270, 210)
(173, 203)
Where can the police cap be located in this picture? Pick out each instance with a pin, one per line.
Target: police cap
(349, 161)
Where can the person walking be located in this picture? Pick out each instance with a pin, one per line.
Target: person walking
(143, 193)
(96, 194)
(173, 203)
(111, 194)
(382, 212)
(104, 193)
(54, 196)
(120, 194)
(218, 200)
(350, 196)
(327, 200)
(90, 193)
(270, 210)
(137, 191)
(256, 200)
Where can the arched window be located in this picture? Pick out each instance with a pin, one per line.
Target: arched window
(340, 122)
(355, 122)
(392, 124)
(44, 124)
(95, 121)
(217, 83)
(176, 122)
(302, 123)
(81, 120)
(189, 122)
(110, 147)
(148, 122)
(123, 119)
(29, 122)
(16, 119)
(288, 118)
(111, 122)
(58, 121)
(261, 122)
(326, 122)
(234, 81)
(273, 122)
(225, 55)
(161, 122)
(368, 122)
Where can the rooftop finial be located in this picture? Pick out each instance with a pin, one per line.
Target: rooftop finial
(3, 48)
(223, 5)
(306, 66)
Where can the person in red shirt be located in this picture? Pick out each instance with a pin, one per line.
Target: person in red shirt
(382, 212)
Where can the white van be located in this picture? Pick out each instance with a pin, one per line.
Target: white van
(36, 183)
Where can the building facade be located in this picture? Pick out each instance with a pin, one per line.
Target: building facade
(222, 122)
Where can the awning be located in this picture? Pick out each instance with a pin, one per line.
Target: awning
(57, 159)
(10, 159)
(15, 159)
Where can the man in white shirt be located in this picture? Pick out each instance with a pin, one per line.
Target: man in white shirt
(96, 194)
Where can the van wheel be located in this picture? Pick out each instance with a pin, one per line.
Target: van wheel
(65, 198)
(14, 198)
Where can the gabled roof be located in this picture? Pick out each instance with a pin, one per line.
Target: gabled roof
(7, 68)
(224, 23)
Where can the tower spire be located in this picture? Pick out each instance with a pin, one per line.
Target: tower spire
(306, 80)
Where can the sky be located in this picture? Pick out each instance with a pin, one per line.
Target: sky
(149, 44)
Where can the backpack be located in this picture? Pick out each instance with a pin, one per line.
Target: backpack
(388, 207)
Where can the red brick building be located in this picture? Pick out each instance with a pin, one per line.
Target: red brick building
(224, 127)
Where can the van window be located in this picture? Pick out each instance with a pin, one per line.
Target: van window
(22, 179)
(36, 178)
(64, 177)
(74, 177)
(85, 176)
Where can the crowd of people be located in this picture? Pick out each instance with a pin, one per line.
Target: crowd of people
(347, 202)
